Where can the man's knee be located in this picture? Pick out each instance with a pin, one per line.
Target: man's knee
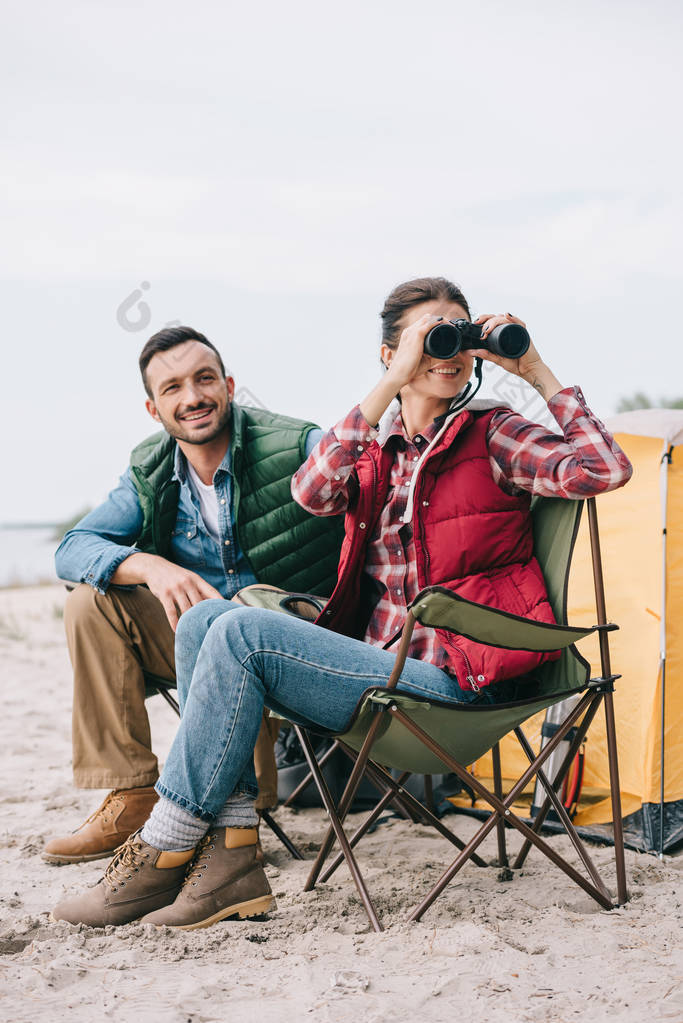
(81, 604)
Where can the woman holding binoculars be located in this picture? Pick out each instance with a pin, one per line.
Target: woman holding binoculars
(438, 493)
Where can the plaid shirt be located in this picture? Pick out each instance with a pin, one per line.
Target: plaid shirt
(583, 461)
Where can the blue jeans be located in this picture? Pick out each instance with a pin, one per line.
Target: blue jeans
(232, 660)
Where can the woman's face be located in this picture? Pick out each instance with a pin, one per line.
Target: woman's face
(437, 378)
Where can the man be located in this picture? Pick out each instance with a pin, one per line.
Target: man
(203, 510)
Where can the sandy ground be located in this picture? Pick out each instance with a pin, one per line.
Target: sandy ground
(534, 948)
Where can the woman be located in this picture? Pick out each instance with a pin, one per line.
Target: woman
(441, 495)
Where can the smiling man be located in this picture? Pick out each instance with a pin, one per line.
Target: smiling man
(203, 509)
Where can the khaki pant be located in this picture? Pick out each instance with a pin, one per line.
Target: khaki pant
(113, 639)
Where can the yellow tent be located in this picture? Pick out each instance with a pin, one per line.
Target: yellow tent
(641, 533)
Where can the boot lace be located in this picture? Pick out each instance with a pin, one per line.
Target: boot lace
(105, 810)
(127, 861)
(200, 860)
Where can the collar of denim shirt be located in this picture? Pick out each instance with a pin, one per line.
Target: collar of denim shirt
(180, 465)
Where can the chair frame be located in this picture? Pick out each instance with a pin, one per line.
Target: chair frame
(596, 691)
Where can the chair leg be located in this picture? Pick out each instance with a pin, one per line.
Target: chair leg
(421, 813)
(363, 829)
(279, 833)
(429, 792)
(564, 767)
(347, 795)
(498, 789)
(305, 782)
(170, 700)
(426, 817)
(338, 830)
(561, 812)
(622, 892)
(374, 778)
(515, 822)
(502, 809)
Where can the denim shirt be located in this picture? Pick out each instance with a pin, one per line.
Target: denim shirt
(93, 550)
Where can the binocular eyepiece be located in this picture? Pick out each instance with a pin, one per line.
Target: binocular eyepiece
(445, 340)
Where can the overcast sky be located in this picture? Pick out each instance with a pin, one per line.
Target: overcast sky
(272, 170)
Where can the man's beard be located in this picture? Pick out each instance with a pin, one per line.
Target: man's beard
(175, 429)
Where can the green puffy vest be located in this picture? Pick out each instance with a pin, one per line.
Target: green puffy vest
(284, 545)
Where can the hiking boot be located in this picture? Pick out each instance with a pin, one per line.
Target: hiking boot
(138, 880)
(122, 812)
(226, 879)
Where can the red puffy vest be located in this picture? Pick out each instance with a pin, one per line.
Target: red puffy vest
(469, 536)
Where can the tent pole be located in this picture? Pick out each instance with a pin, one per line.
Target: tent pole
(661, 768)
(664, 490)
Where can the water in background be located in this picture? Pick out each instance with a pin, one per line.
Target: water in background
(27, 555)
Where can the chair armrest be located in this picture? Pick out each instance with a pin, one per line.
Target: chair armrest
(439, 608)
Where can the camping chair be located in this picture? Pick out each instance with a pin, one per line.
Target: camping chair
(390, 729)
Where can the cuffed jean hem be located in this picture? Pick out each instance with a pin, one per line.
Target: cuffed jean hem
(106, 780)
(197, 811)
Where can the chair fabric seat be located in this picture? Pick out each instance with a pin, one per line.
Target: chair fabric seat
(465, 731)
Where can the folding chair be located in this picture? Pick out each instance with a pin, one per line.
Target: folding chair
(390, 729)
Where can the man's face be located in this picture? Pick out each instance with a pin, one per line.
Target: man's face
(190, 396)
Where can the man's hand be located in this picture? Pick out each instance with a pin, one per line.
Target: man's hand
(177, 588)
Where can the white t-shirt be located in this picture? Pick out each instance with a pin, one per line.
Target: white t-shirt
(208, 502)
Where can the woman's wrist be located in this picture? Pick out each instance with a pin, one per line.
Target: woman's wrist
(375, 404)
(542, 379)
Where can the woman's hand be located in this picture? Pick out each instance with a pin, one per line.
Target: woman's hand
(404, 363)
(409, 360)
(529, 366)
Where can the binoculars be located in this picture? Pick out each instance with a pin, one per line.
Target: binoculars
(445, 340)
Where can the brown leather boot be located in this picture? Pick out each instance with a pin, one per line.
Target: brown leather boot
(225, 879)
(139, 879)
(122, 812)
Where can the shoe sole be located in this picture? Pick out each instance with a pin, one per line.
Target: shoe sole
(60, 861)
(254, 907)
